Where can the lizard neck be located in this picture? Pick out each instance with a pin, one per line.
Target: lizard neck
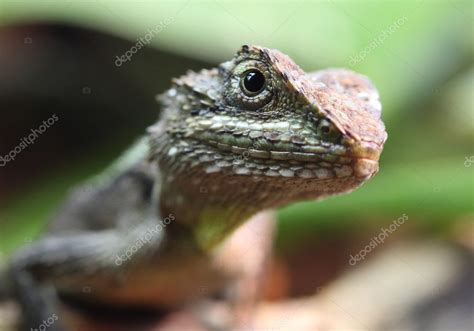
(209, 203)
(206, 205)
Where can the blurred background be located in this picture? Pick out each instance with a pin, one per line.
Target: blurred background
(66, 59)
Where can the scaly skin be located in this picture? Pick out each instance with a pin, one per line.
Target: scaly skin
(304, 136)
(255, 133)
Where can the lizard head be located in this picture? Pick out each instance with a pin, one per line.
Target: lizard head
(262, 123)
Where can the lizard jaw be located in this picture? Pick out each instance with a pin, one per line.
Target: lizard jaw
(261, 157)
(260, 164)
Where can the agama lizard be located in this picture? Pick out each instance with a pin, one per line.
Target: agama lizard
(255, 133)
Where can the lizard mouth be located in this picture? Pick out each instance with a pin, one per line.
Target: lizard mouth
(365, 162)
(248, 156)
(365, 168)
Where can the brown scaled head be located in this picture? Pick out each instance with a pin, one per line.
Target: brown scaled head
(345, 103)
(261, 116)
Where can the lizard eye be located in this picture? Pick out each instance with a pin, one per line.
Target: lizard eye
(252, 82)
(249, 86)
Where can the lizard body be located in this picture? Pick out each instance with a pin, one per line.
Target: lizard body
(255, 133)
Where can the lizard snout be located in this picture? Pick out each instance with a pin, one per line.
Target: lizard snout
(366, 156)
(365, 168)
(366, 150)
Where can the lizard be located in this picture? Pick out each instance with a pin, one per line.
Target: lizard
(255, 133)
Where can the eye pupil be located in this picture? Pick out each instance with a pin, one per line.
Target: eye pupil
(253, 81)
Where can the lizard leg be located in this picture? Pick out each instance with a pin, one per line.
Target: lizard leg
(37, 301)
(68, 262)
(35, 267)
(255, 239)
(247, 252)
